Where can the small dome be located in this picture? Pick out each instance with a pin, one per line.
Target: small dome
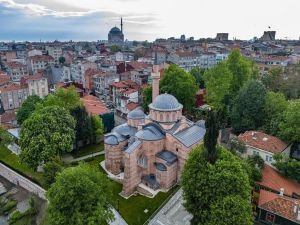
(113, 138)
(136, 114)
(150, 133)
(165, 102)
(124, 130)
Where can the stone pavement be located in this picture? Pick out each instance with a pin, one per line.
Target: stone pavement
(118, 219)
(173, 213)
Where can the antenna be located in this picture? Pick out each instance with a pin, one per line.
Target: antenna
(122, 25)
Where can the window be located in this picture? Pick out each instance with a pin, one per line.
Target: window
(161, 117)
(168, 117)
(142, 161)
(269, 158)
(270, 217)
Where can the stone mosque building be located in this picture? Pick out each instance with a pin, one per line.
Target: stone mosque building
(149, 151)
(116, 36)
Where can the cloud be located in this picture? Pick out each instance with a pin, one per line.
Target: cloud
(29, 21)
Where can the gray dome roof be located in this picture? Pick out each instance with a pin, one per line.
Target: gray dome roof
(136, 114)
(125, 130)
(113, 139)
(150, 133)
(165, 102)
(115, 30)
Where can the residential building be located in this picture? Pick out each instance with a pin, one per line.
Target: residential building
(102, 80)
(34, 52)
(278, 209)
(38, 63)
(37, 85)
(222, 36)
(12, 96)
(16, 70)
(264, 145)
(55, 51)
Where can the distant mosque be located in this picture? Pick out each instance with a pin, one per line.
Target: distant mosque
(116, 36)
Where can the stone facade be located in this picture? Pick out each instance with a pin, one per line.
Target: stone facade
(152, 150)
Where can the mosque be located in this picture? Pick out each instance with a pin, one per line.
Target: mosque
(116, 36)
(148, 152)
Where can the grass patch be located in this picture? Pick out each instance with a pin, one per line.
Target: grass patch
(13, 161)
(87, 150)
(132, 209)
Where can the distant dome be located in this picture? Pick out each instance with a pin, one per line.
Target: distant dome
(136, 114)
(115, 30)
(165, 102)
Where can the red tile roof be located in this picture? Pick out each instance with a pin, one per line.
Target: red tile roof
(132, 105)
(279, 205)
(138, 65)
(15, 65)
(94, 106)
(42, 58)
(263, 141)
(273, 180)
(8, 117)
(33, 77)
(11, 87)
(4, 79)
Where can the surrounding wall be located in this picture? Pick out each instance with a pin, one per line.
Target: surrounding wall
(18, 179)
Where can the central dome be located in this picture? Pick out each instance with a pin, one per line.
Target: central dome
(165, 102)
(115, 30)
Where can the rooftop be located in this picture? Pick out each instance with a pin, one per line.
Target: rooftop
(263, 141)
(165, 102)
(94, 106)
(273, 180)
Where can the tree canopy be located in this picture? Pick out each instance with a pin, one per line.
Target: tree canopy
(241, 69)
(147, 98)
(181, 84)
(218, 82)
(46, 134)
(27, 108)
(67, 98)
(198, 73)
(80, 195)
(287, 166)
(248, 108)
(290, 124)
(211, 190)
(275, 106)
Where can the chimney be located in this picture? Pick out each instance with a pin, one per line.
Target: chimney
(155, 78)
(281, 191)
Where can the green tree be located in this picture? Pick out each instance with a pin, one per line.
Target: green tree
(115, 48)
(208, 186)
(218, 82)
(51, 169)
(181, 84)
(97, 128)
(241, 69)
(5, 137)
(62, 60)
(46, 134)
(248, 108)
(289, 128)
(67, 98)
(83, 125)
(237, 146)
(147, 98)
(80, 195)
(275, 106)
(198, 73)
(287, 166)
(27, 108)
(211, 137)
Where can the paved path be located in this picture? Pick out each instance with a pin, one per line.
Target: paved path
(118, 219)
(173, 213)
(69, 158)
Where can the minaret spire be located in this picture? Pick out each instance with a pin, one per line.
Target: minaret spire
(122, 25)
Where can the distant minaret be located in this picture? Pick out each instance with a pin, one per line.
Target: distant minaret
(122, 25)
(155, 78)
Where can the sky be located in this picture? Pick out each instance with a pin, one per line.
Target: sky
(91, 20)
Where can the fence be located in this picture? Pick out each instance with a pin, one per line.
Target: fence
(21, 181)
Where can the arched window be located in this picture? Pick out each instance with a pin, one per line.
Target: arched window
(142, 161)
(174, 116)
(161, 117)
(168, 117)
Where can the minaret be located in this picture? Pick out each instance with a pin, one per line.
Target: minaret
(122, 25)
(155, 78)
